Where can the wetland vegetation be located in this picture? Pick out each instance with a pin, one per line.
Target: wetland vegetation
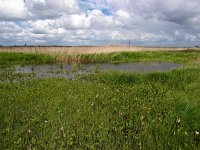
(10, 58)
(102, 110)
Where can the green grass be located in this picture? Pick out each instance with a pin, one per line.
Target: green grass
(105, 111)
(186, 57)
(7, 59)
(110, 110)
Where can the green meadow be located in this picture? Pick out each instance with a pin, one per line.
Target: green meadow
(103, 110)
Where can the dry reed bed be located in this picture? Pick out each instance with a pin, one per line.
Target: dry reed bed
(87, 49)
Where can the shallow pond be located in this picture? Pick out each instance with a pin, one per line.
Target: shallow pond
(69, 70)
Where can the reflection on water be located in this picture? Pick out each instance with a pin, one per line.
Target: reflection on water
(68, 69)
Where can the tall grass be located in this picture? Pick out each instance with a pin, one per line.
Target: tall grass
(187, 57)
(24, 58)
(62, 50)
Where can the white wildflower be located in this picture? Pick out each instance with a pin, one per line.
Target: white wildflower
(197, 132)
(178, 120)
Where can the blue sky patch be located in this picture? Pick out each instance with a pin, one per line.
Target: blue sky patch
(106, 11)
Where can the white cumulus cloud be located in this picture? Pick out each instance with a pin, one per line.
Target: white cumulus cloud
(13, 10)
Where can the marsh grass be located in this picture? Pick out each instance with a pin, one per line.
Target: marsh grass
(9, 76)
(76, 50)
(104, 111)
(186, 57)
(110, 110)
(7, 59)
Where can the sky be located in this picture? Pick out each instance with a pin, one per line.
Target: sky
(100, 22)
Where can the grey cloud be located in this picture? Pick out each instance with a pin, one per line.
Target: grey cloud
(179, 11)
(49, 9)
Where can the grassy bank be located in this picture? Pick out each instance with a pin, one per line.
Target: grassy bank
(110, 110)
(7, 58)
(187, 57)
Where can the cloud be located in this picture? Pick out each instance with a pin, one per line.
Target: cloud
(44, 9)
(123, 14)
(72, 22)
(143, 21)
(68, 6)
(9, 27)
(42, 26)
(13, 10)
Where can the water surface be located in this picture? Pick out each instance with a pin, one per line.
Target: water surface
(68, 70)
